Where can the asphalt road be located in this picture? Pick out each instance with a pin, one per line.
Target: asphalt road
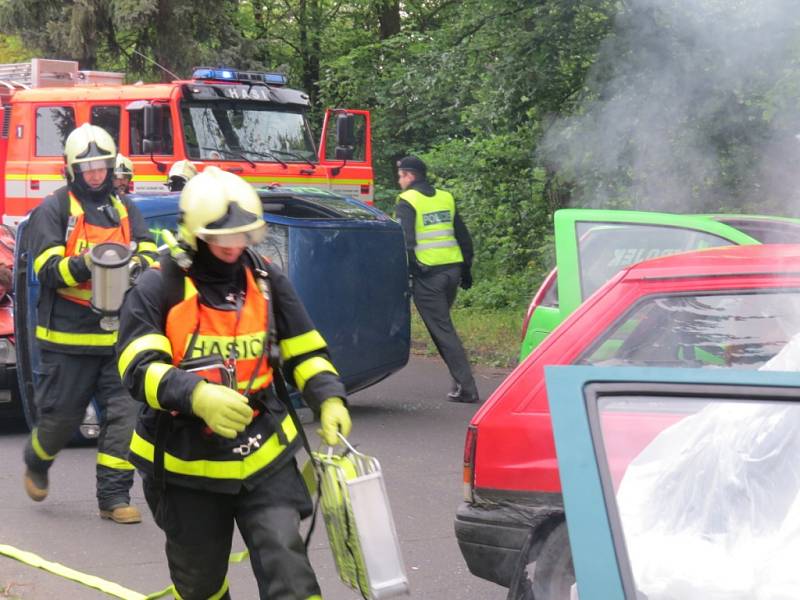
(404, 421)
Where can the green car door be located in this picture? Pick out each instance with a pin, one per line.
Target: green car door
(593, 245)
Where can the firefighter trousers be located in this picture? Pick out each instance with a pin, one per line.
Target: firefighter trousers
(199, 528)
(434, 294)
(65, 384)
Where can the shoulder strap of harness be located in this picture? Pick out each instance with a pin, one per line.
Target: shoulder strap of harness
(259, 265)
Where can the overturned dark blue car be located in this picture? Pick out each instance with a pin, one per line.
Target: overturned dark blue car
(346, 260)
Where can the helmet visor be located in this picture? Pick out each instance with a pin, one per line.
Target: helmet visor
(91, 165)
(239, 239)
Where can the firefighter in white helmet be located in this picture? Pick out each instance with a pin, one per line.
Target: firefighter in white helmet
(77, 354)
(123, 174)
(179, 174)
(216, 445)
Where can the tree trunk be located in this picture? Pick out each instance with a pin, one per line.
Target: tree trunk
(163, 49)
(389, 18)
(310, 34)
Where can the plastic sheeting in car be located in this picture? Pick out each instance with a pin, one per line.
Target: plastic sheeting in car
(711, 507)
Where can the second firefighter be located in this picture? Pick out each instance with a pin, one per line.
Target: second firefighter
(77, 354)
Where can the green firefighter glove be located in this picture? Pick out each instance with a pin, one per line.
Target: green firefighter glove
(224, 410)
(334, 417)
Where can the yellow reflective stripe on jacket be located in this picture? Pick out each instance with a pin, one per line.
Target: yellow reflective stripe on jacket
(302, 344)
(81, 294)
(37, 447)
(152, 379)
(257, 384)
(311, 367)
(220, 469)
(120, 206)
(112, 462)
(76, 339)
(45, 256)
(188, 288)
(152, 341)
(147, 246)
(75, 208)
(66, 274)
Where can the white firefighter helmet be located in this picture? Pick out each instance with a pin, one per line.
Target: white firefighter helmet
(89, 147)
(183, 168)
(123, 166)
(220, 208)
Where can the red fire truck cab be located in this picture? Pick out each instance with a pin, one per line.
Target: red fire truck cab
(246, 122)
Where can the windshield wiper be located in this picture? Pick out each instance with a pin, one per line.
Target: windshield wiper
(267, 155)
(297, 156)
(243, 157)
(234, 153)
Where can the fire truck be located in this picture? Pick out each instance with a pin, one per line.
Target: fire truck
(246, 122)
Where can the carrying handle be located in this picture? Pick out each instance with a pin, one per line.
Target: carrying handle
(349, 448)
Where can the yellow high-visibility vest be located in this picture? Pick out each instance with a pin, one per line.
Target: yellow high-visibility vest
(436, 240)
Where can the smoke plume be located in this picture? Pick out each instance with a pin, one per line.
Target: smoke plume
(693, 105)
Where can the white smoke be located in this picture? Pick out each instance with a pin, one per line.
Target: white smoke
(694, 105)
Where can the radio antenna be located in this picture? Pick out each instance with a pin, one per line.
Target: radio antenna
(156, 64)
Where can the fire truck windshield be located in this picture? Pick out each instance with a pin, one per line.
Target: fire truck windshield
(246, 131)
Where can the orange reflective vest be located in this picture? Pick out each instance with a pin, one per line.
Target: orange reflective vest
(82, 236)
(238, 336)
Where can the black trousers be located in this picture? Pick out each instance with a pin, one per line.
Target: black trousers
(199, 529)
(65, 385)
(434, 294)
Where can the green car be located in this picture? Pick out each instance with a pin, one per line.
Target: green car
(593, 245)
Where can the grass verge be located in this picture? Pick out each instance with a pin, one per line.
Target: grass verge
(491, 337)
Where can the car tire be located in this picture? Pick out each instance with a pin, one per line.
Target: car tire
(521, 587)
(554, 574)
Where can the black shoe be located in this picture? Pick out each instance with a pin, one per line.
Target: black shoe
(463, 397)
(455, 390)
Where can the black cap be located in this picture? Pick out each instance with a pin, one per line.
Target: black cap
(412, 163)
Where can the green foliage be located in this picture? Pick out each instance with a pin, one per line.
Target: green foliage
(519, 107)
(12, 50)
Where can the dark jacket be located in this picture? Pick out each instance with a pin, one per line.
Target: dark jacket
(47, 230)
(143, 318)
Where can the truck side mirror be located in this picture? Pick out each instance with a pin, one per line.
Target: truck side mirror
(152, 138)
(345, 136)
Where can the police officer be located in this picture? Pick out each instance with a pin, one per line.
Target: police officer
(215, 445)
(77, 354)
(123, 174)
(440, 258)
(179, 173)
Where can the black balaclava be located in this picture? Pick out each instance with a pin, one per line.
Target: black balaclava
(82, 190)
(216, 278)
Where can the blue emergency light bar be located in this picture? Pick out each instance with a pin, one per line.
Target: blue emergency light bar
(232, 75)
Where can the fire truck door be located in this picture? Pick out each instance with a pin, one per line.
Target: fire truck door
(346, 148)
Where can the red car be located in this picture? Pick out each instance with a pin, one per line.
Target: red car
(720, 307)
